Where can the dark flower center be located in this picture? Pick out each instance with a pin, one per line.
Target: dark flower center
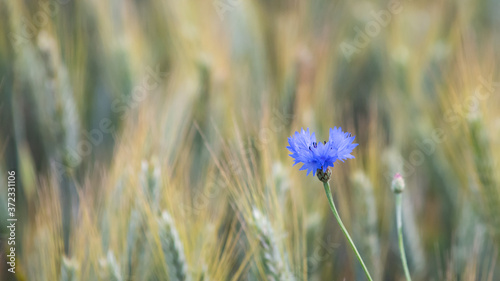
(315, 144)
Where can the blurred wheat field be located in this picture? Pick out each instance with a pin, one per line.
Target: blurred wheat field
(149, 138)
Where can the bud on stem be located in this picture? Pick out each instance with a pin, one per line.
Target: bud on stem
(398, 183)
(324, 176)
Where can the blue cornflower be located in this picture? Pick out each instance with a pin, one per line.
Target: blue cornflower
(319, 156)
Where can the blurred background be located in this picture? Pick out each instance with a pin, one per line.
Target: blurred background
(149, 138)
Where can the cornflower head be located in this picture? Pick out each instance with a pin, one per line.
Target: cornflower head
(317, 157)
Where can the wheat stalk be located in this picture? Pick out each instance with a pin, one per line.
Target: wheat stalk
(484, 165)
(151, 181)
(133, 233)
(110, 268)
(69, 269)
(366, 222)
(275, 268)
(173, 250)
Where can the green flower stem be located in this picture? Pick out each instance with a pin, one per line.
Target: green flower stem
(336, 214)
(399, 222)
